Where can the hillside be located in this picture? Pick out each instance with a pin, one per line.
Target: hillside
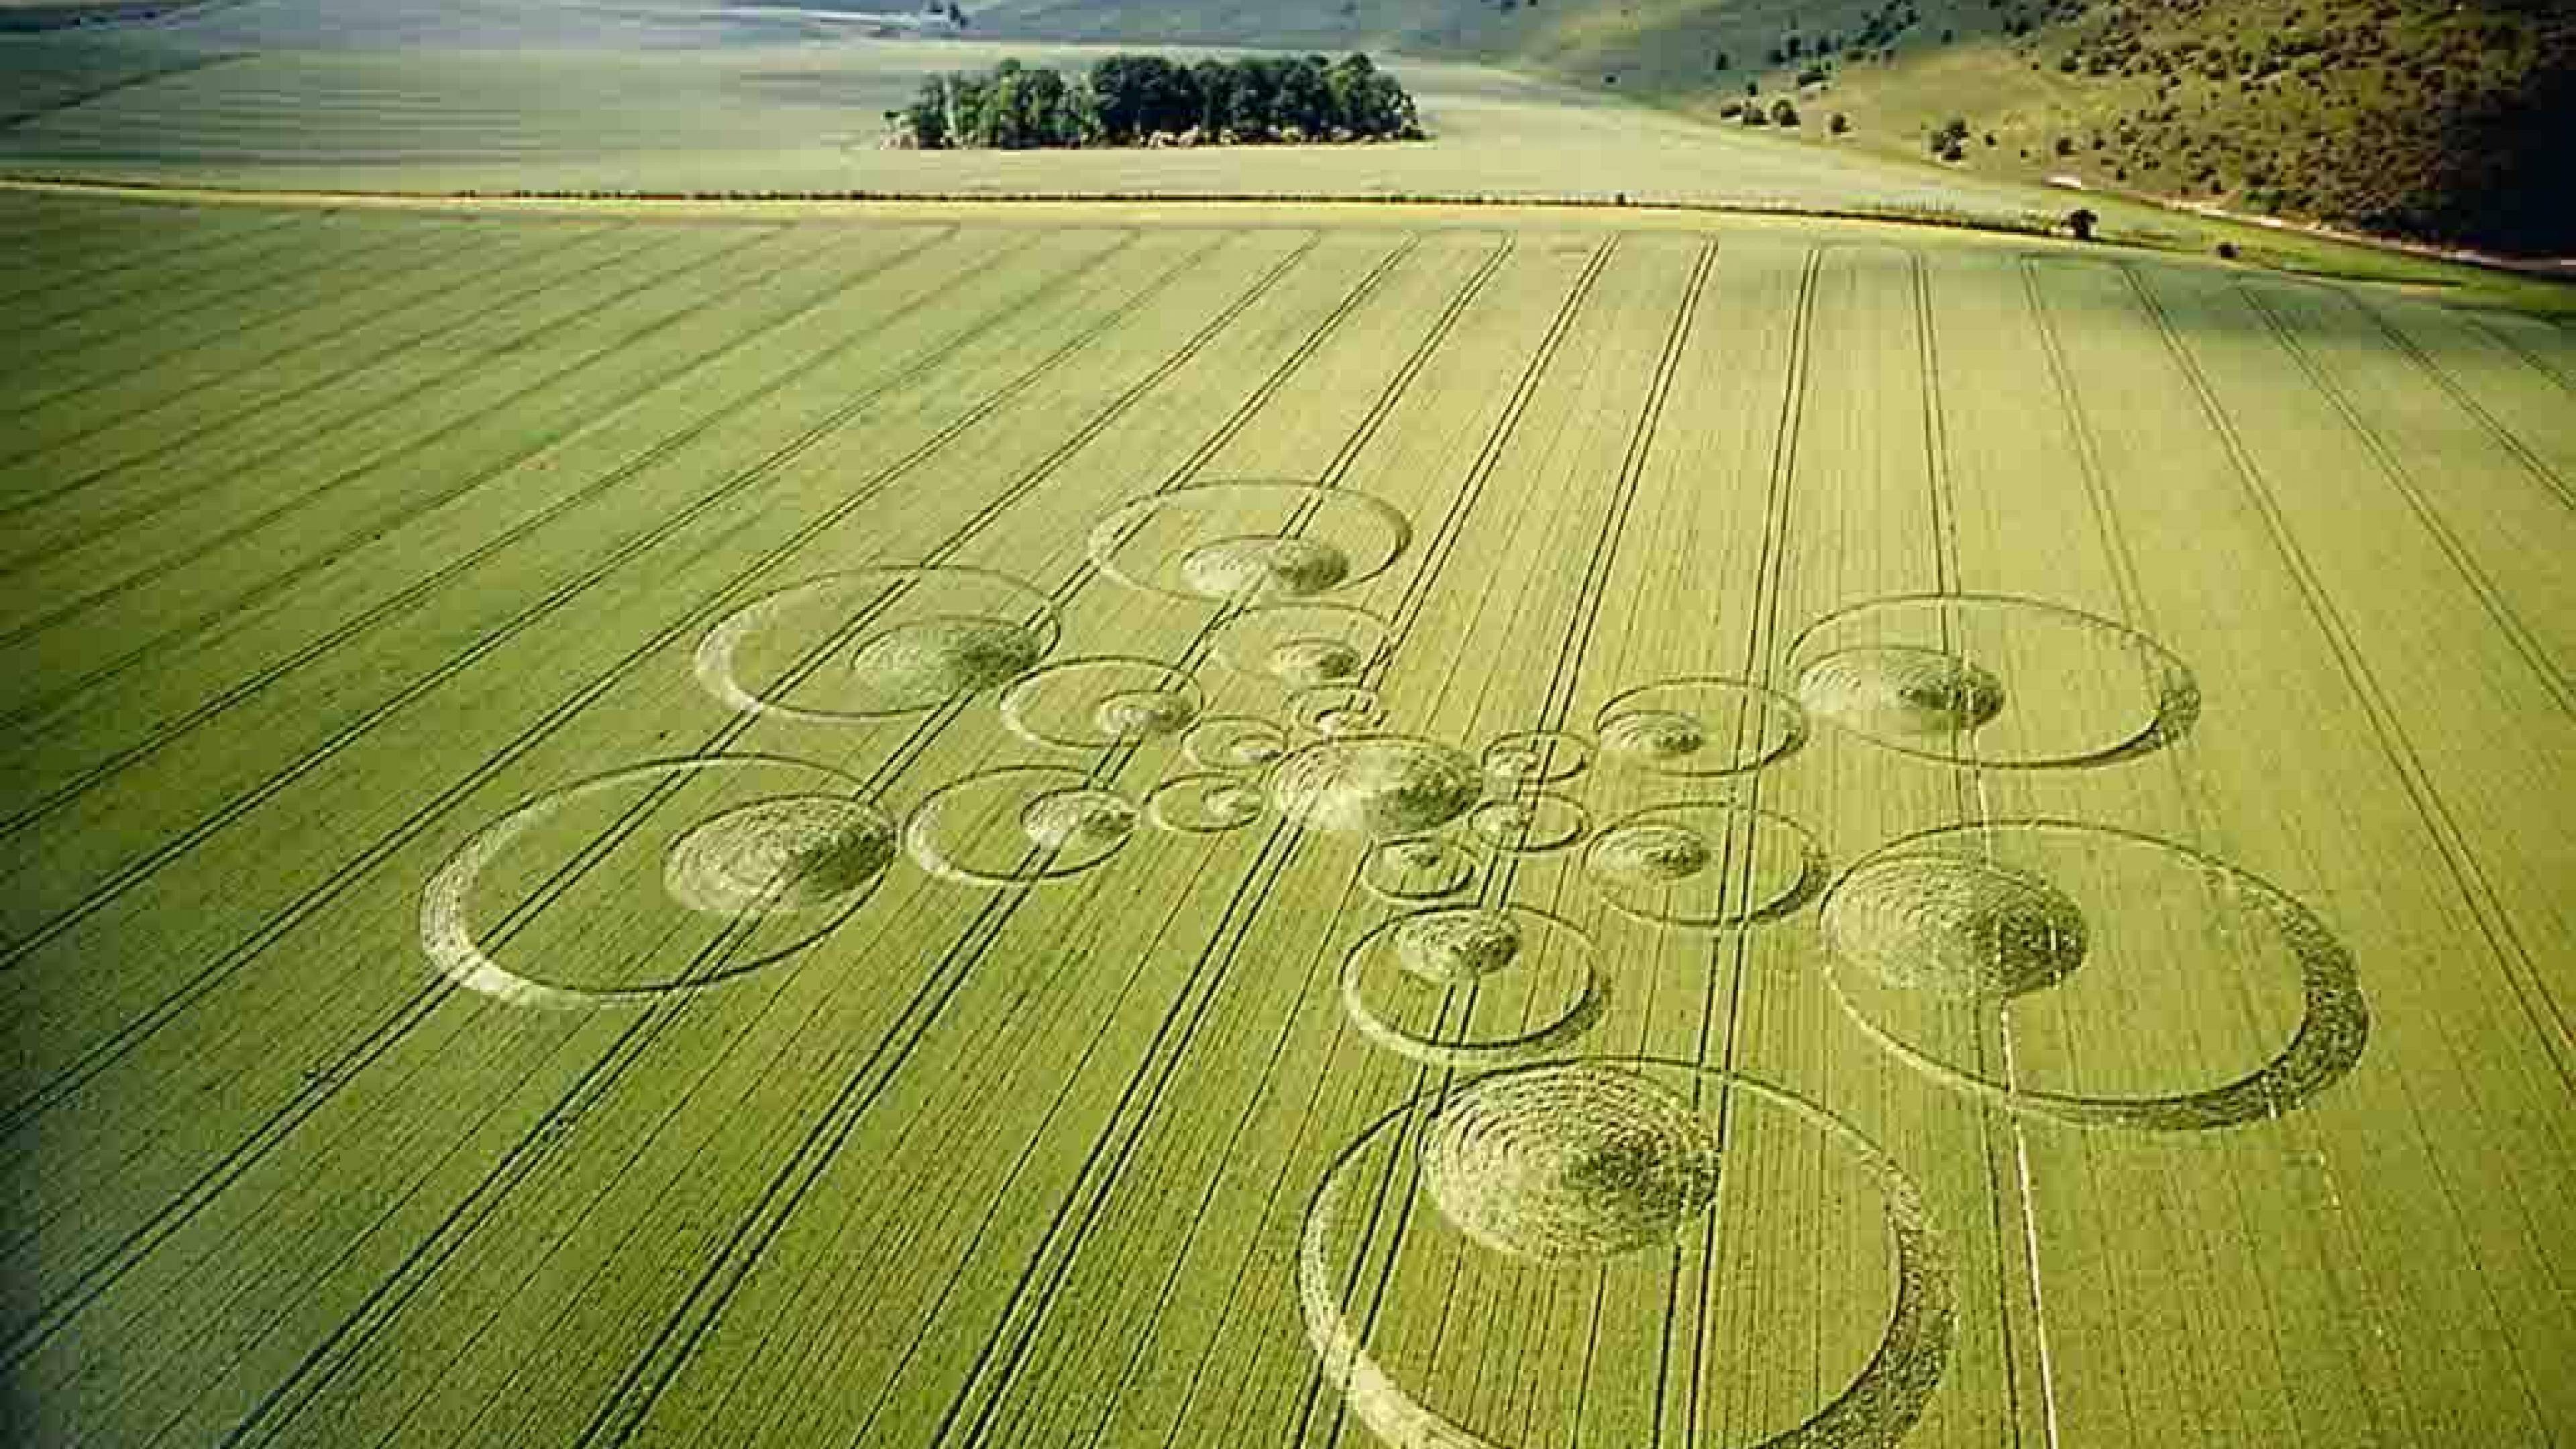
(2415, 118)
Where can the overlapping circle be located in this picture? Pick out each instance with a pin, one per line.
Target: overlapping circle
(1993, 680)
(1382, 786)
(1101, 701)
(1708, 865)
(1421, 984)
(1207, 802)
(876, 643)
(1019, 826)
(1527, 1172)
(1701, 727)
(1978, 916)
(1337, 709)
(1234, 743)
(1534, 822)
(1420, 868)
(1301, 645)
(1527, 758)
(1956, 924)
(1249, 541)
(669, 877)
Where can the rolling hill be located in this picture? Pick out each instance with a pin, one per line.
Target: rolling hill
(2414, 118)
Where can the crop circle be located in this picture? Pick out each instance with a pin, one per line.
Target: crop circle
(1700, 727)
(1333, 710)
(1208, 802)
(1536, 1172)
(1425, 985)
(670, 877)
(1101, 701)
(1300, 645)
(1419, 868)
(875, 643)
(1536, 822)
(1234, 742)
(1525, 758)
(1018, 826)
(789, 853)
(1993, 680)
(1955, 924)
(1250, 541)
(1381, 786)
(1569, 1163)
(1977, 918)
(1704, 865)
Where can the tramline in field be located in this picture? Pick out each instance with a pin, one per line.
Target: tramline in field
(1468, 828)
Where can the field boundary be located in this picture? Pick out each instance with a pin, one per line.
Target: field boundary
(2031, 223)
(2537, 293)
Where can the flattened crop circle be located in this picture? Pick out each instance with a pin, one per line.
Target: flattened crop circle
(876, 643)
(1249, 541)
(1101, 701)
(1422, 868)
(1300, 645)
(1208, 802)
(1949, 923)
(1234, 742)
(1526, 758)
(1993, 680)
(1398, 982)
(1705, 865)
(1382, 786)
(1565, 1163)
(1535, 822)
(1919, 913)
(1019, 826)
(1334, 710)
(1701, 727)
(668, 878)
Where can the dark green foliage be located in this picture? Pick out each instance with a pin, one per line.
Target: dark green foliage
(1129, 100)
(2081, 221)
(1783, 113)
(2440, 120)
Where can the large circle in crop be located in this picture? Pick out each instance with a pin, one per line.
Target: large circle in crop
(1625, 1201)
(2093, 975)
(669, 877)
(1993, 681)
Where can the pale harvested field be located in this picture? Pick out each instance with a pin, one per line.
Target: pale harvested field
(509, 934)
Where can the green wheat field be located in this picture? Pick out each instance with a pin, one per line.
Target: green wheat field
(1230, 826)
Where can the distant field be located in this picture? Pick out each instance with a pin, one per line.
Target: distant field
(810, 118)
(710, 831)
(671, 97)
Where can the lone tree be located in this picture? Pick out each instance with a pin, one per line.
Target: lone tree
(2081, 222)
(1783, 113)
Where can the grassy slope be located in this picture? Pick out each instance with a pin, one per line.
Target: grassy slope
(2418, 119)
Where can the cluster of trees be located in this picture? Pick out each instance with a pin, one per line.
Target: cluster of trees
(1132, 100)
(1780, 113)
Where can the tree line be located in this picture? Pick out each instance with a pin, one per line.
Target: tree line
(1137, 100)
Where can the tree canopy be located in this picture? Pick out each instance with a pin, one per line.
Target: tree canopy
(1134, 100)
